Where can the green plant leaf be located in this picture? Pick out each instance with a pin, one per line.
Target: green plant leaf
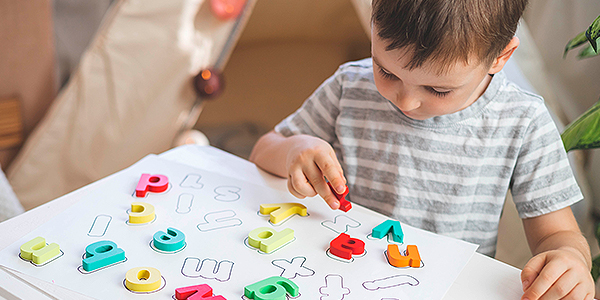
(584, 133)
(587, 51)
(593, 33)
(598, 232)
(575, 42)
(596, 268)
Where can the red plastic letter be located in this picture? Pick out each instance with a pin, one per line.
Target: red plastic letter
(345, 205)
(396, 259)
(151, 183)
(196, 292)
(344, 246)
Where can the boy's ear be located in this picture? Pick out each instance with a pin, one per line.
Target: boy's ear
(501, 60)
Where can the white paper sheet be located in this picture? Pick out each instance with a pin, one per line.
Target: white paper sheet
(216, 213)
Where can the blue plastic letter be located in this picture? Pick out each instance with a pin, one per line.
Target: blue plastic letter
(101, 254)
(384, 228)
(170, 241)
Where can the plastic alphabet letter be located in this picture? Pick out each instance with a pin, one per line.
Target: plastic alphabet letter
(281, 211)
(170, 241)
(196, 292)
(345, 205)
(141, 213)
(101, 254)
(396, 259)
(38, 252)
(388, 226)
(267, 239)
(151, 183)
(272, 288)
(344, 246)
(143, 279)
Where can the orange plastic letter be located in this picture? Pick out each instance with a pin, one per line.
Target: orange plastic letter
(396, 259)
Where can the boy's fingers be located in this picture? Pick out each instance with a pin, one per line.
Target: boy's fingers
(563, 286)
(317, 185)
(315, 177)
(579, 292)
(335, 159)
(532, 269)
(324, 191)
(332, 201)
(300, 183)
(545, 279)
(331, 169)
(293, 190)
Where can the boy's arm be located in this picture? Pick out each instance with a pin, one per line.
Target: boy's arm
(270, 152)
(304, 160)
(561, 264)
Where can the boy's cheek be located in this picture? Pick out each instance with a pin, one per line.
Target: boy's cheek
(383, 89)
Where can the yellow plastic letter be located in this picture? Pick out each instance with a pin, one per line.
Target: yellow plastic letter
(143, 279)
(281, 211)
(38, 252)
(267, 239)
(141, 212)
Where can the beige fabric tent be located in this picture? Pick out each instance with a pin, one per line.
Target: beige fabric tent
(131, 95)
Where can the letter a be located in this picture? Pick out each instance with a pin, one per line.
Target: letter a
(268, 240)
(101, 254)
(344, 247)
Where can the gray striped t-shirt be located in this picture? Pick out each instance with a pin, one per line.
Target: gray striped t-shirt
(447, 174)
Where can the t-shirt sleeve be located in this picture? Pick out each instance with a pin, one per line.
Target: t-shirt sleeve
(318, 114)
(543, 181)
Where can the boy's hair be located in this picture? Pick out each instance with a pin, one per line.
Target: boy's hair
(447, 31)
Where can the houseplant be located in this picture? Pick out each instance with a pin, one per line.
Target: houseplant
(584, 132)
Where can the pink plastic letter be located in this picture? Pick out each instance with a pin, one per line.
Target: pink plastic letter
(196, 292)
(151, 183)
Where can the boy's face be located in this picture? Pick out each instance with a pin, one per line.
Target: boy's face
(420, 93)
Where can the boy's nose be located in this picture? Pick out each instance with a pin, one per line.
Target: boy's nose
(407, 103)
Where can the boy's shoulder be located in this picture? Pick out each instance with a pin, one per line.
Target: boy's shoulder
(513, 97)
(510, 89)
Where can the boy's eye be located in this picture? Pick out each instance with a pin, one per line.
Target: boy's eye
(386, 75)
(437, 93)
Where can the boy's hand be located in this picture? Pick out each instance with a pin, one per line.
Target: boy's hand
(307, 163)
(557, 274)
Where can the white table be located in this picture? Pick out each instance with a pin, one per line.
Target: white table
(482, 278)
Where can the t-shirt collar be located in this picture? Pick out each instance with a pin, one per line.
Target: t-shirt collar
(473, 110)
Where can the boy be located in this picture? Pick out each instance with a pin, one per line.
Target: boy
(429, 131)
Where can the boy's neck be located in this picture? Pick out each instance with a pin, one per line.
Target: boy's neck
(481, 88)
